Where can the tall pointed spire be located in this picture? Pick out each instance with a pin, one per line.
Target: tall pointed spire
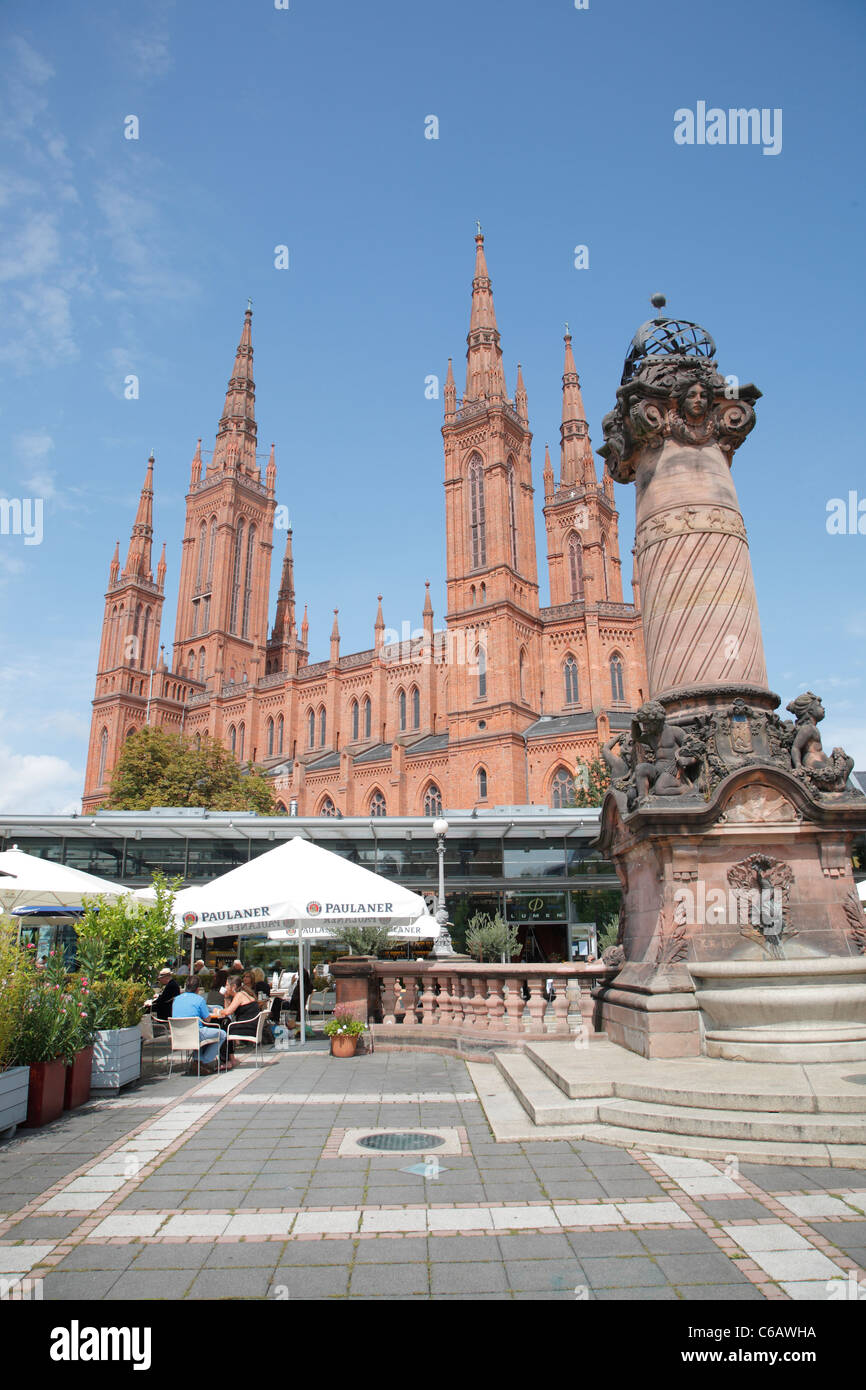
(547, 475)
(335, 639)
(138, 555)
(576, 463)
(161, 569)
(305, 631)
(485, 378)
(427, 616)
(195, 470)
(450, 393)
(521, 404)
(284, 622)
(379, 627)
(271, 474)
(236, 437)
(114, 567)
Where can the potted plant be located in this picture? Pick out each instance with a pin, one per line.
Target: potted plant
(45, 1037)
(14, 1079)
(344, 1030)
(80, 1063)
(121, 946)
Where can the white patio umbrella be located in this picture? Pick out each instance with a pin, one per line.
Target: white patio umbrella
(28, 881)
(299, 891)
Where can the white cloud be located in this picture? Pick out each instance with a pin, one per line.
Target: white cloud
(38, 782)
(33, 446)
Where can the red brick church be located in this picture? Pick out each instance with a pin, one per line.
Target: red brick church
(494, 710)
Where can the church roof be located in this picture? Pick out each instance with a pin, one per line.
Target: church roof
(550, 724)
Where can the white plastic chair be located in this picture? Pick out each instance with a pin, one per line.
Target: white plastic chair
(186, 1038)
(255, 1039)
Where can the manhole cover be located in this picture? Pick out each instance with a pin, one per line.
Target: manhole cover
(401, 1142)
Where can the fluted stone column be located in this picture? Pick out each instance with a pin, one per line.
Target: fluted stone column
(673, 433)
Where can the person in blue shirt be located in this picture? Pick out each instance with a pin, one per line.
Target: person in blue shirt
(190, 1004)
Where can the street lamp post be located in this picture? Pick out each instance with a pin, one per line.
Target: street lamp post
(442, 945)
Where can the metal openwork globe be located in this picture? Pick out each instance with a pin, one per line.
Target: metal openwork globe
(662, 337)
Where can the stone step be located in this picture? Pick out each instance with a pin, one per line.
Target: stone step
(734, 1125)
(702, 1082)
(543, 1101)
(510, 1123)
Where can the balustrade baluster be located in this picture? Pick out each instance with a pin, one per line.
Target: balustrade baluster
(443, 1001)
(410, 999)
(559, 1022)
(388, 986)
(479, 1002)
(495, 1003)
(514, 1003)
(456, 1001)
(428, 999)
(535, 1022)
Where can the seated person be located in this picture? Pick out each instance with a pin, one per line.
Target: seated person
(168, 990)
(217, 990)
(295, 1001)
(191, 1005)
(261, 984)
(241, 1009)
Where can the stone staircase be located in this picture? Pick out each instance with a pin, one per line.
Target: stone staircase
(702, 1107)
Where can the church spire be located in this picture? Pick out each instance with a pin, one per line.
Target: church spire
(195, 470)
(485, 378)
(114, 567)
(547, 475)
(236, 436)
(450, 393)
(138, 556)
(379, 627)
(284, 622)
(521, 404)
(576, 463)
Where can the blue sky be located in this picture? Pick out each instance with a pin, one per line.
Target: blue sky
(306, 127)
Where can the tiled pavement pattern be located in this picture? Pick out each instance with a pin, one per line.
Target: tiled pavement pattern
(229, 1188)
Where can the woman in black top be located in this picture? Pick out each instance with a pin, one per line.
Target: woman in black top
(243, 1011)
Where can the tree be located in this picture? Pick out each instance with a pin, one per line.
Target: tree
(160, 768)
(128, 939)
(591, 781)
(492, 938)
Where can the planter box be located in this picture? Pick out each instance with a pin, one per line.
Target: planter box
(45, 1092)
(14, 1086)
(116, 1058)
(78, 1079)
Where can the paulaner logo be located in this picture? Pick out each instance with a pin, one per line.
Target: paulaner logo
(736, 126)
(77, 1343)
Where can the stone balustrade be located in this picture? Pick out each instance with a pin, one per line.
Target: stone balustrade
(473, 1005)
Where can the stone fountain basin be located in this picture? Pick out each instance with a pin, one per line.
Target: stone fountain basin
(811, 1009)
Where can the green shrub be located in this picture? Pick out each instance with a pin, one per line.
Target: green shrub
(128, 939)
(491, 938)
(367, 939)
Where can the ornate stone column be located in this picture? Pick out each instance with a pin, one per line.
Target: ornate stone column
(674, 430)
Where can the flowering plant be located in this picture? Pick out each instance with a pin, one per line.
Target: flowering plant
(344, 1021)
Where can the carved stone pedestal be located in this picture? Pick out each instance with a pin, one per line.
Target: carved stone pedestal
(758, 877)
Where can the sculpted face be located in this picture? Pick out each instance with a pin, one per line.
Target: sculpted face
(696, 401)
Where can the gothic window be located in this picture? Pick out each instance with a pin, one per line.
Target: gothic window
(205, 614)
(356, 734)
(512, 514)
(416, 707)
(481, 783)
(232, 676)
(241, 732)
(562, 789)
(401, 709)
(569, 671)
(145, 632)
(483, 593)
(368, 718)
(233, 739)
(477, 521)
(311, 728)
(377, 804)
(617, 689)
(481, 658)
(472, 595)
(280, 730)
(433, 801)
(270, 728)
(328, 808)
(211, 549)
(191, 663)
(575, 566)
(604, 566)
(236, 577)
(103, 754)
(201, 662)
(248, 581)
(199, 569)
(322, 726)
(522, 674)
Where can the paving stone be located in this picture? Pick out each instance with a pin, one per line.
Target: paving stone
(453, 1248)
(628, 1189)
(304, 1253)
(232, 1283)
(661, 1293)
(100, 1257)
(693, 1242)
(535, 1247)
(551, 1275)
(746, 1292)
(391, 1278)
(468, 1276)
(84, 1285)
(705, 1268)
(626, 1271)
(170, 1256)
(152, 1284)
(405, 1250)
(43, 1228)
(736, 1209)
(509, 1192)
(588, 1243)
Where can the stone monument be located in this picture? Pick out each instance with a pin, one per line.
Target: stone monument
(741, 933)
